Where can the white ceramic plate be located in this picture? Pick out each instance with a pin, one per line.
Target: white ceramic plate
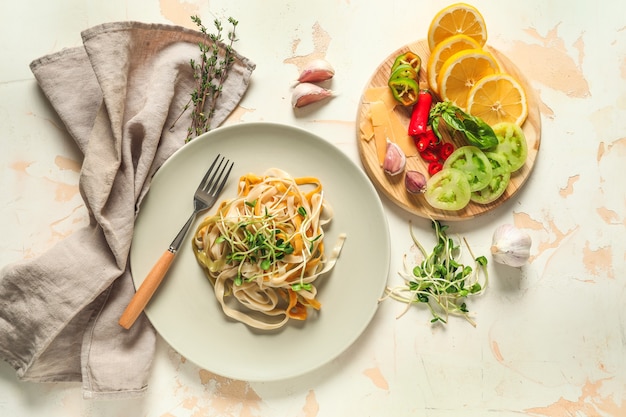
(184, 310)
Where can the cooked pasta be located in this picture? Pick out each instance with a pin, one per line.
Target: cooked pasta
(264, 249)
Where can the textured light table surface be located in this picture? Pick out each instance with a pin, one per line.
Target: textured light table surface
(550, 338)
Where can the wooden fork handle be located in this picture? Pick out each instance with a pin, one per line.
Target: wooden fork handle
(146, 290)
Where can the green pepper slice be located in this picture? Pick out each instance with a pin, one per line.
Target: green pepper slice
(404, 90)
(408, 58)
(404, 71)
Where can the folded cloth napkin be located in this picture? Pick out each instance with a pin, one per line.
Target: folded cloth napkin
(118, 96)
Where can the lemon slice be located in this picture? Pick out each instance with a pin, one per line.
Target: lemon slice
(455, 19)
(498, 98)
(444, 50)
(461, 71)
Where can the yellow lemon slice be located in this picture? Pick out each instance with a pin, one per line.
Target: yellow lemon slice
(498, 98)
(461, 71)
(444, 50)
(455, 19)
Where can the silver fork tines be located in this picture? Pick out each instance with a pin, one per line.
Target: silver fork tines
(204, 198)
(206, 195)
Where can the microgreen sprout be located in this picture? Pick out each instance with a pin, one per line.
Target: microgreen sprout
(255, 239)
(298, 286)
(440, 280)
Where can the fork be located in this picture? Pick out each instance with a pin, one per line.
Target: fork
(204, 198)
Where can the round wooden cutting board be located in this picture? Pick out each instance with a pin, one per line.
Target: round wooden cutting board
(393, 187)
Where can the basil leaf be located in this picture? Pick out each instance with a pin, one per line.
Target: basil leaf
(452, 120)
(470, 129)
(479, 133)
(488, 135)
(476, 131)
(434, 125)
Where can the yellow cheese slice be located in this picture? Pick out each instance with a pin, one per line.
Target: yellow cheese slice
(380, 124)
(400, 134)
(366, 128)
(383, 94)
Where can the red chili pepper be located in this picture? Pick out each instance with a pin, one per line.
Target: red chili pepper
(426, 140)
(434, 167)
(421, 143)
(429, 156)
(420, 113)
(446, 150)
(433, 141)
(434, 145)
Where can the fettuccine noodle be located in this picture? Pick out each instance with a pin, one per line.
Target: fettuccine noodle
(265, 248)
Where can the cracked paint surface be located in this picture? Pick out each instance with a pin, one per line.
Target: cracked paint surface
(321, 41)
(591, 402)
(559, 70)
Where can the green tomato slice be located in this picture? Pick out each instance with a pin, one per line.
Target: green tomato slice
(473, 163)
(448, 190)
(511, 144)
(500, 176)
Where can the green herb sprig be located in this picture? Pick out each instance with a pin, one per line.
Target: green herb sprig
(476, 131)
(441, 281)
(210, 74)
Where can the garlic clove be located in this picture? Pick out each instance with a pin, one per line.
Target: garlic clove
(510, 246)
(415, 182)
(306, 93)
(395, 160)
(316, 71)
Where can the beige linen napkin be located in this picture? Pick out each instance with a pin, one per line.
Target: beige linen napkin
(117, 95)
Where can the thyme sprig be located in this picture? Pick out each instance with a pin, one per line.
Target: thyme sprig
(210, 74)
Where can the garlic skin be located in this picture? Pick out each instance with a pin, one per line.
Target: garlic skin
(307, 93)
(395, 160)
(510, 246)
(415, 182)
(316, 71)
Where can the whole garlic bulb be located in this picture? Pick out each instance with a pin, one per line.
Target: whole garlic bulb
(510, 246)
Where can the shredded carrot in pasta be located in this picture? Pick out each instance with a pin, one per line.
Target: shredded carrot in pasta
(265, 248)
